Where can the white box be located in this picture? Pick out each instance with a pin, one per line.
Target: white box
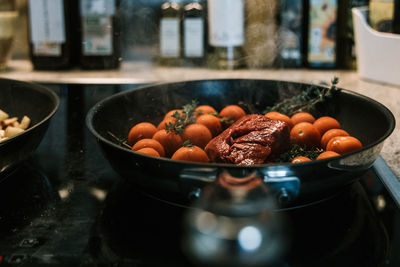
(378, 53)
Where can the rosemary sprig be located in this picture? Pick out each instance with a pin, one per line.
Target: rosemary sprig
(306, 101)
(296, 150)
(182, 120)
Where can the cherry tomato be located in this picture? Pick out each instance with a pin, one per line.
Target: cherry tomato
(328, 135)
(197, 134)
(343, 144)
(172, 112)
(190, 153)
(204, 109)
(280, 117)
(305, 134)
(152, 143)
(302, 117)
(140, 131)
(169, 140)
(300, 159)
(149, 151)
(327, 154)
(166, 121)
(233, 112)
(326, 123)
(211, 122)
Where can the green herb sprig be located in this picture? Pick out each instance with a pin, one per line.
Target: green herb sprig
(296, 150)
(306, 101)
(182, 120)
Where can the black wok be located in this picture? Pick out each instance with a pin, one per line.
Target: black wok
(39, 104)
(362, 117)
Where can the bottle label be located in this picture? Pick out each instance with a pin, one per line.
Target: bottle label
(322, 37)
(169, 37)
(47, 26)
(226, 20)
(97, 7)
(194, 37)
(97, 27)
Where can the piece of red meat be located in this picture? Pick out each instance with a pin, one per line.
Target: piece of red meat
(253, 139)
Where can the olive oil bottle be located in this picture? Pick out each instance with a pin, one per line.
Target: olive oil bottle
(194, 33)
(100, 34)
(346, 57)
(51, 43)
(226, 34)
(170, 33)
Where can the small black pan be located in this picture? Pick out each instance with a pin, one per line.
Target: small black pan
(39, 104)
(361, 116)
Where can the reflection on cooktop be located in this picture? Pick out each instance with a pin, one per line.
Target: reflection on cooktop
(342, 231)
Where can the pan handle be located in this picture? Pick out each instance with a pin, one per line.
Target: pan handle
(284, 188)
(234, 222)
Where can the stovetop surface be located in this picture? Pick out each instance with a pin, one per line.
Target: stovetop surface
(65, 206)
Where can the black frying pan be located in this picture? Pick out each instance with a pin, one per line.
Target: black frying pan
(19, 99)
(362, 117)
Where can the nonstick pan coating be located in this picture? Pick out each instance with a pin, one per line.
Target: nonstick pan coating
(19, 99)
(362, 117)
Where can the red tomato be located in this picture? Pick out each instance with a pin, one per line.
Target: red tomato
(302, 117)
(233, 112)
(198, 134)
(149, 151)
(211, 122)
(190, 153)
(280, 117)
(328, 135)
(305, 134)
(343, 144)
(300, 159)
(140, 131)
(152, 143)
(169, 140)
(326, 123)
(204, 109)
(327, 154)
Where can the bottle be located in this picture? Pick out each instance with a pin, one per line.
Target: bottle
(226, 33)
(381, 15)
(261, 33)
(194, 33)
(8, 25)
(346, 57)
(50, 39)
(292, 33)
(170, 33)
(100, 34)
(396, 17)
(322, 33)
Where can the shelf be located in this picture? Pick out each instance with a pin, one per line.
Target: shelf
(146, 72)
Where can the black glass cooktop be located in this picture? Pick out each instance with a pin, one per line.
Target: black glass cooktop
(65, 206)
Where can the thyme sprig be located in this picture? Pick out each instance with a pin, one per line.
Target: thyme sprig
(296, 150)
(306, 101)
(182, 120)
(121, 142)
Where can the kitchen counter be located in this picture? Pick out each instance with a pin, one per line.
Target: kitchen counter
(145, 72)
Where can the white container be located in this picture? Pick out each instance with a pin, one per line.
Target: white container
(378, 53)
